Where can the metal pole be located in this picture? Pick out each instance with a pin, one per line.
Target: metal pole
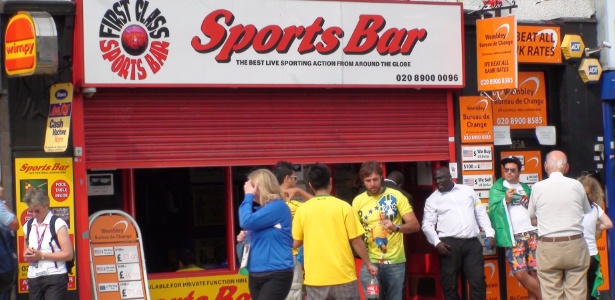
(609, 161)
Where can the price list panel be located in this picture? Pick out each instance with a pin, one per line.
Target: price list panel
(477, 169)
(118, 269)
(118, 272)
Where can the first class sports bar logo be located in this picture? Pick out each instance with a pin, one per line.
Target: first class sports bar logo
(133, 39)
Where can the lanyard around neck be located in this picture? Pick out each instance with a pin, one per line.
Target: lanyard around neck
(40, 237)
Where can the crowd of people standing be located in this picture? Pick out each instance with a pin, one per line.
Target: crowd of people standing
(548, 232)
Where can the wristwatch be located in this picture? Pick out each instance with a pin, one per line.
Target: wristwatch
(397, 228)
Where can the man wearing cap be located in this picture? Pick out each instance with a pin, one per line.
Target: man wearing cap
(557, 205)
(508, 200)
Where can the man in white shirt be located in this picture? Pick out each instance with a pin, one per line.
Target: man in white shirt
(557, 205)
(451, 222)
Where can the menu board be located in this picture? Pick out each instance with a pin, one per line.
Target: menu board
(116, 252)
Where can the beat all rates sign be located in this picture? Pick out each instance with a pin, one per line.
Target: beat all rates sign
(58, 120)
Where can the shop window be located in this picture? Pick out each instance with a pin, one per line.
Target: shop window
(183, 211)
(346, 183)
(190, 210)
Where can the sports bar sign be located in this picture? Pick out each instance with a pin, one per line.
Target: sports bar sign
(273, 42)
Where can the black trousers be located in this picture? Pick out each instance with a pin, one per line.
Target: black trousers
(50, 287)
(465, 255)
(274, 286)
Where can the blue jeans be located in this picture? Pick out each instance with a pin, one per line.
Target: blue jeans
(390, 277)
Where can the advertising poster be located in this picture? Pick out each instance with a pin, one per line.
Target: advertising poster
(514, 289)
(531, 172)
(116, 252)
(211, 287)
(539, 44)
(492, 276)
(476, 119)
(496, 51)
(604, 261)
(525, 107)
(58, 120)
(55, 176)
(273, 42)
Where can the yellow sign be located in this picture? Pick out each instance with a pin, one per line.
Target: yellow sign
(58, 121)
(20, 45)
(54, 175)
(524, 107)
(232, 286)
(573, 46)
(476, 119)
(538, 44)
(496, 44)
(590, 70)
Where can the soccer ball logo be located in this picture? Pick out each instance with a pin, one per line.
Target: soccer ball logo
(134, 40)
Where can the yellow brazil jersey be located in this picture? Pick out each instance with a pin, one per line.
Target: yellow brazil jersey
(325, 224)
(293, 205)
(383, 246)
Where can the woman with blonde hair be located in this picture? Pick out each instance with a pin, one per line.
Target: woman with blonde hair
(593, 222)
(270, 258)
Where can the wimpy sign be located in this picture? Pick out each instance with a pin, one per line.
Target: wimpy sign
(273, 42)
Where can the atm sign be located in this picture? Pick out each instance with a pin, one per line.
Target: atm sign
(593, 70)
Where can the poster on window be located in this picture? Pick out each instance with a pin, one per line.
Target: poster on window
(55, 177)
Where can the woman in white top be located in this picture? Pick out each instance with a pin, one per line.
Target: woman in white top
(47, 274)
(593, 223)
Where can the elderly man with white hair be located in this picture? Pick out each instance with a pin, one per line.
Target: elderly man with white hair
(557, 205)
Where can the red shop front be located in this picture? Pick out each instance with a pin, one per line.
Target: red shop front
(174, 107)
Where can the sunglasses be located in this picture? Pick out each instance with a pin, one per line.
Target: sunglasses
(34, 211)
(511, 170)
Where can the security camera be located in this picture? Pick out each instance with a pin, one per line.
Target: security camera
(605, 44)
(88, 92)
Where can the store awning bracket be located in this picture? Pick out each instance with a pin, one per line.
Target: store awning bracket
(495, 8)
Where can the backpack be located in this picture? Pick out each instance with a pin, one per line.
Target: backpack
(8, 259)
(54, 238)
